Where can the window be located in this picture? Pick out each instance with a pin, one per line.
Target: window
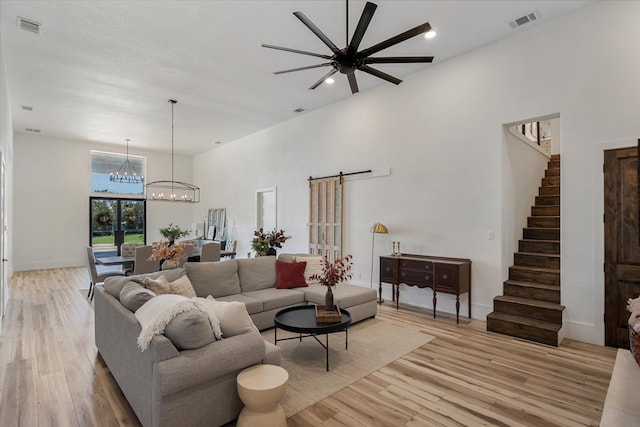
(102, 164)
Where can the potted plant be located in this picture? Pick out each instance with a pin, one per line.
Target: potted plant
(170, 255)
(333, 273)
(265, 243)
(173, 232)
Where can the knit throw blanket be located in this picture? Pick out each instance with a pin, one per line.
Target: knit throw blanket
(158, 312)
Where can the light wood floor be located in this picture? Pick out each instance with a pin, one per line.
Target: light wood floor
(51, 375)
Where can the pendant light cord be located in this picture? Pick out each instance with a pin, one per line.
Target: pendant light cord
(173, 102)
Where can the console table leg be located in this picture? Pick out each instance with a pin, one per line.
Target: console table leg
(327, 341)
(397, 295)
(457, 309)
(435, 300)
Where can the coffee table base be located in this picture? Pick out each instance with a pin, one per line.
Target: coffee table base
(315, 336)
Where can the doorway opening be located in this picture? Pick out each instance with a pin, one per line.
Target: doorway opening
(113, 222)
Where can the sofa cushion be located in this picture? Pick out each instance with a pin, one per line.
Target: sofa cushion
(257, 273)
(217, 279)
(233, 316)
(190, 330)
(113, 285)
(253, 305)
(344, 295)
(277, 298)
(290, 274)
(133, 295)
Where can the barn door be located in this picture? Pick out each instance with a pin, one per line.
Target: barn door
(325, 217)
(621, 241)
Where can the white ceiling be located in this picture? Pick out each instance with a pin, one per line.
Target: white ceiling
(103, 71)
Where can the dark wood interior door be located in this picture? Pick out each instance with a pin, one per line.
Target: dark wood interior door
(621, 241)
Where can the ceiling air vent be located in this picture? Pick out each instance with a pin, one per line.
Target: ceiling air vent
(518, 22)
(26, 107)
(298, 110)
(29, 25)
(32, 130)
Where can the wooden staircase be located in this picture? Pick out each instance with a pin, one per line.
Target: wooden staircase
(530, 307)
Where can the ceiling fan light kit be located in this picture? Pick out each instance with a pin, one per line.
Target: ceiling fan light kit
(349, 60)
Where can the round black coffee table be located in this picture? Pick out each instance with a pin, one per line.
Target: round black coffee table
(302, 320)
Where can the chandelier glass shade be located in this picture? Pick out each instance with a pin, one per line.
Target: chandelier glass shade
(126, 173)
(172, 191)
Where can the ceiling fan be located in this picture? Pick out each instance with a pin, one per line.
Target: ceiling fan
(349, 59)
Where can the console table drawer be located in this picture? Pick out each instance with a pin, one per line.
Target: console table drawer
(446, 277)
(411, 264)
(387, 270)
(413, 277)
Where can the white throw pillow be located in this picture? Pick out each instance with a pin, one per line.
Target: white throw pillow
(314, 266)
(233, 316)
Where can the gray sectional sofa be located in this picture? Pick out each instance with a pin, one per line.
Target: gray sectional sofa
(179, 381)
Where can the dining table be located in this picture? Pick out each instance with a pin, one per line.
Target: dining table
(130, 261)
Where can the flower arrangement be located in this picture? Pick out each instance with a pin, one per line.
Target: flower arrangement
(262, 241)
(334, 272)
(162, 251)
(173, 232)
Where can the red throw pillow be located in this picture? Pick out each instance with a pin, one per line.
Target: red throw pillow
(291, 274)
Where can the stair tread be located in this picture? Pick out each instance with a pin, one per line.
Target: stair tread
(538, 269)
(513, 318)
(530, 302)
(545, 286)
(540, 240)
(538, 254)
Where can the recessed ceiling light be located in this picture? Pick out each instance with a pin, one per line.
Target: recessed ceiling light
(430, 34)
(329, 81)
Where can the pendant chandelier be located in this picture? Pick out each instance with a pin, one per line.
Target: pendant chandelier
(172, 191)
(127, 173)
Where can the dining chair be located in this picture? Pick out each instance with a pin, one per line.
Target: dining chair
(96, 276)
(129, 249)
(210, 252)
(142, 264)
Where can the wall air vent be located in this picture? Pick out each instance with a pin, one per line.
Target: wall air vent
(32, 130)
(26, 107)
(518, 22)
(29, 25)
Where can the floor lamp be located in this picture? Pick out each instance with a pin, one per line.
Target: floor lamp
(376, 229)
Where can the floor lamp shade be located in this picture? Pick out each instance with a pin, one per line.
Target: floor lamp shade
(377, 228)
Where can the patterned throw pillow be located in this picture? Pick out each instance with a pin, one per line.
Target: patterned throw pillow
(183, 287)
(314, 266)
(160, 285)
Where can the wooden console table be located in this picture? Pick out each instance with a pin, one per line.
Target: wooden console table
(446, 275)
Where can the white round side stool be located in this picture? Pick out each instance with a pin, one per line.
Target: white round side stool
(260, 388)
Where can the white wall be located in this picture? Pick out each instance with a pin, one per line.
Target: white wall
(6, 147)
(53, 182)
(441, 133)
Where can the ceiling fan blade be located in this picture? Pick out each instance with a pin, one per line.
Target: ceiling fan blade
(303, 52)
(353, 83)
(301, 16)
(325, 77)
(363, 23)
(395, 40)
(380, 74)
(397, 59)
(303, 68)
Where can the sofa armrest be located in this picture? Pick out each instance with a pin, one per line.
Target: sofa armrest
(195, 367)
